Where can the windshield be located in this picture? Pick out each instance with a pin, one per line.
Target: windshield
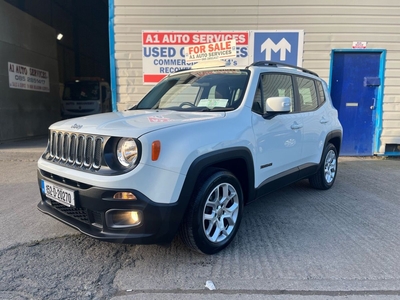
(81, 90)
(198, 91)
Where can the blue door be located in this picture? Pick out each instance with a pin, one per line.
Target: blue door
(356, 86)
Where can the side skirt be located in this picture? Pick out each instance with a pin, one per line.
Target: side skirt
(284, 179)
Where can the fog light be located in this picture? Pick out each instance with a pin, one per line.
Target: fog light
(123, 218)
(124, 196)
(135, 217)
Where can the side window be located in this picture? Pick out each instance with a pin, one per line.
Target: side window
(237, 94)
(321, 93)
(273, 85)
(211, 92)
(220, 91)
(307, 93)
(257, 102)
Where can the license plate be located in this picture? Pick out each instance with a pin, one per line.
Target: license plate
(58, 193)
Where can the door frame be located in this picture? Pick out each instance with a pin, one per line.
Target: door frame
(379, 96)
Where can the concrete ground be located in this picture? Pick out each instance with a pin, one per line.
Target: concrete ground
(297, 243)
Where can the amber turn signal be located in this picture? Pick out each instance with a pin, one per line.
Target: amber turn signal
(155, 150)
(124, 196)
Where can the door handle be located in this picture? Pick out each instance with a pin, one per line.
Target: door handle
(372, 107)
(323, 120)
(296, 125)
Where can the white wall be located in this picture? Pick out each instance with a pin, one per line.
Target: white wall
(328, 24)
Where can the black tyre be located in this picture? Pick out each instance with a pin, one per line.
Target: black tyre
(213, 217)
(326, 175)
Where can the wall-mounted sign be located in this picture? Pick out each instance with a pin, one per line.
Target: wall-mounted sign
(359, 45)
(28, 78)
(163, 52)
(285, 46)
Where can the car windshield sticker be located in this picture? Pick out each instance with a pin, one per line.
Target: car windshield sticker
(211, 103)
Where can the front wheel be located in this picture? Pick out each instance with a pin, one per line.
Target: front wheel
(326, 175)
(214, 215)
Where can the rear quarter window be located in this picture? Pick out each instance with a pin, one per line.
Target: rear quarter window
(321, 93)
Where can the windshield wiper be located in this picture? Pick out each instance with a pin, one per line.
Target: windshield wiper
(189, 109)
(218, 109)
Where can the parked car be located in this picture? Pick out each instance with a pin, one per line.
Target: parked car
(191, 154)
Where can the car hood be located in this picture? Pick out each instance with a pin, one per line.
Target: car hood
(133, 123)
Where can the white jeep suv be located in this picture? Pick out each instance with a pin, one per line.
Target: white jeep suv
(190, 155)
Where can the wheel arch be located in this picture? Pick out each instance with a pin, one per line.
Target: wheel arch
(335, 138)
(237, 160)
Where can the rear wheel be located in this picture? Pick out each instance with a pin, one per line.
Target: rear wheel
(326, 175)
(214, 216)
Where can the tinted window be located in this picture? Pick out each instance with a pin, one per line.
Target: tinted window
(307, 93)
(273, 85)
(258, 106)
(321, 93)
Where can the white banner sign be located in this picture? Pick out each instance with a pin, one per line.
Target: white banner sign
(164, 51)
(28, 78)
(212, 51)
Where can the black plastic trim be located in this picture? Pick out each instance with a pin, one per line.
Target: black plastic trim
(159, 220)
(215, 159)
(285, 178)
(332, 135)
(275, 182)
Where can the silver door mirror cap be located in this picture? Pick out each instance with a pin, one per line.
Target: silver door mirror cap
(278, 104)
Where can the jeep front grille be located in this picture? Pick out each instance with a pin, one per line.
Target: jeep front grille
(79, 150)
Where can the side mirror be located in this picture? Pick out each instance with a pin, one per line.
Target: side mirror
(278, 104)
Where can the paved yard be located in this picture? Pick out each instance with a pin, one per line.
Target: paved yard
(297, 243)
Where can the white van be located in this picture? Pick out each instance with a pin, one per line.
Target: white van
(85, 96)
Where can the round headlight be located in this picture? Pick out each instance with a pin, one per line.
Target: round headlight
(127, 152)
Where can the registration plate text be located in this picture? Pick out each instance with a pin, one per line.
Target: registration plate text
(58, 193)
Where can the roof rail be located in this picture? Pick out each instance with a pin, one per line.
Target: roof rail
(276, 64)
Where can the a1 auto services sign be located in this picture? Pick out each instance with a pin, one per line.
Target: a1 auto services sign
(28, 78)
(212, 51)
(164, 51)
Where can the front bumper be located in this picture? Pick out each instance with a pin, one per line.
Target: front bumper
(159, 225)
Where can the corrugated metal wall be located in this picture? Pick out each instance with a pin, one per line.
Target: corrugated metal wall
(328, 24)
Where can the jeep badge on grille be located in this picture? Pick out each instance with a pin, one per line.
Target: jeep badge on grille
(76, 126)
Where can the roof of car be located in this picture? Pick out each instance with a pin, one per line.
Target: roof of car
(266, 63)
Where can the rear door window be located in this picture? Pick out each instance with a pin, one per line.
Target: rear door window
(308, 94)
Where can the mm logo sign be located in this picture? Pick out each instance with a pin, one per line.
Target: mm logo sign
(279, 46)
